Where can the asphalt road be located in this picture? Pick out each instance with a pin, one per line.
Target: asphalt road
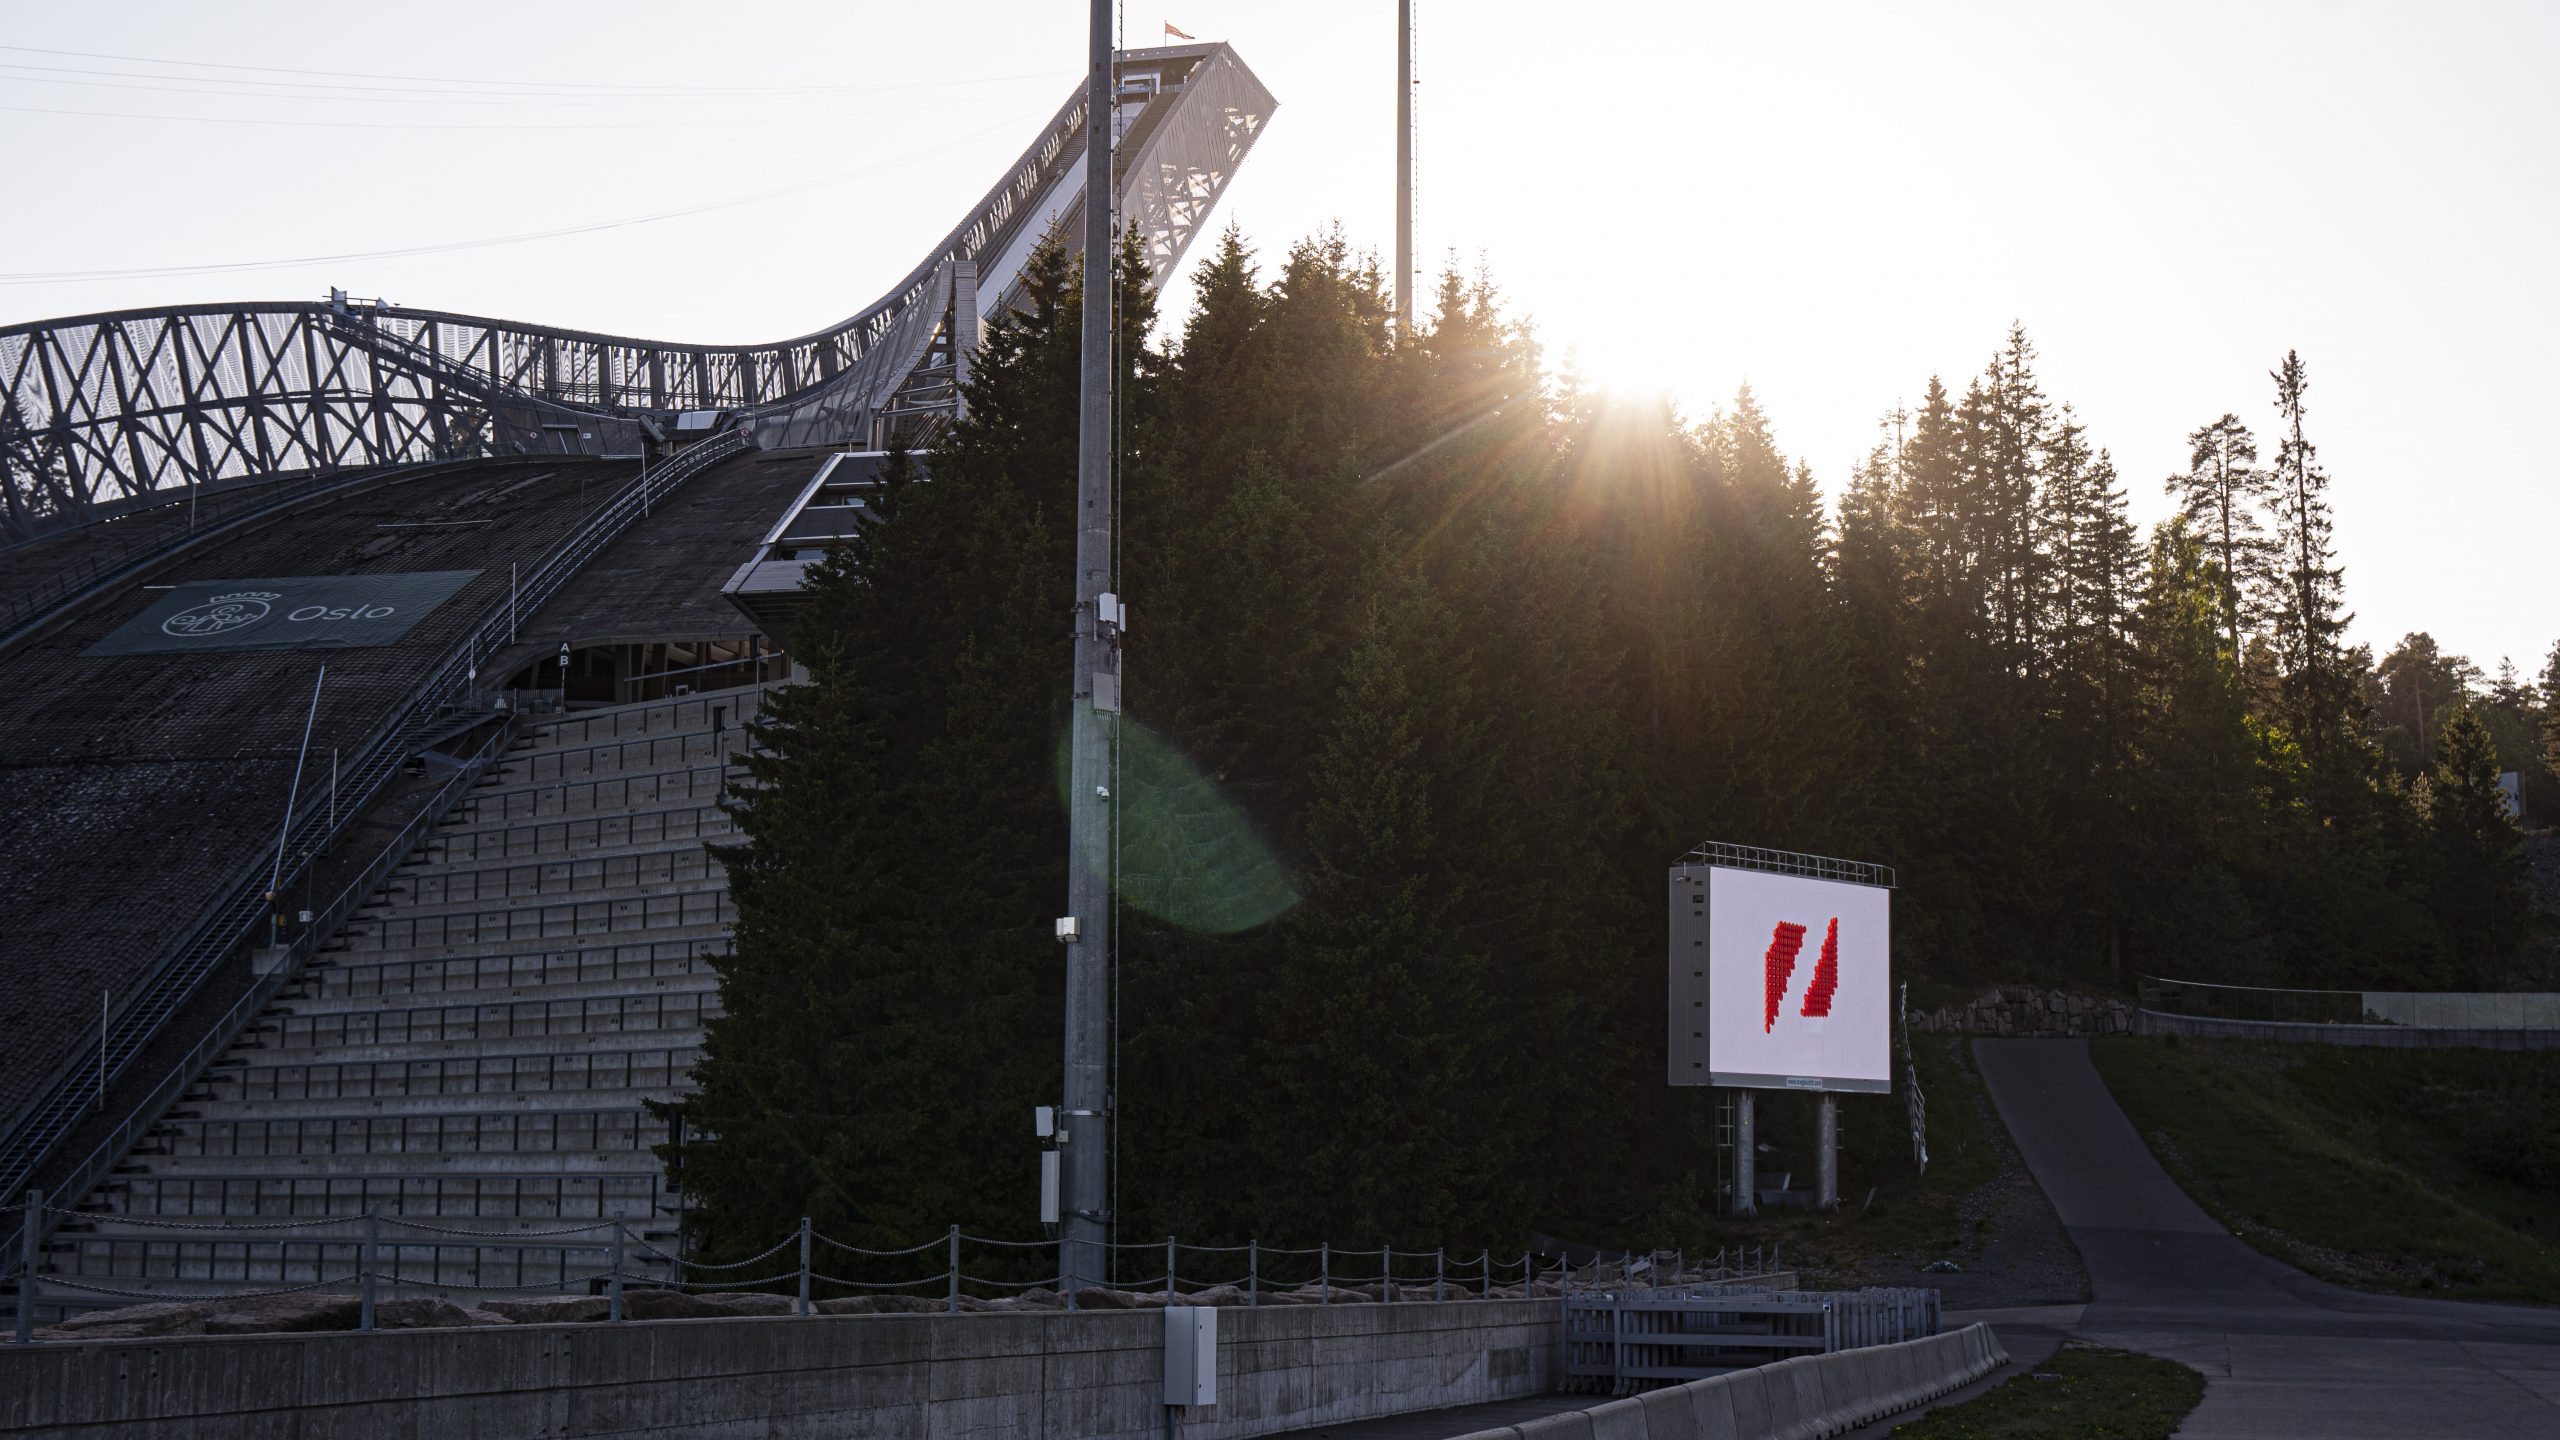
(2283, 1355)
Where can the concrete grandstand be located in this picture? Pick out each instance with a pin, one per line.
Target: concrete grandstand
(424, 936)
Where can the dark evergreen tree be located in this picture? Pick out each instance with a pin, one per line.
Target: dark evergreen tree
(2219, 495)
(2478, 878)
(2320, 702)
(900, 852)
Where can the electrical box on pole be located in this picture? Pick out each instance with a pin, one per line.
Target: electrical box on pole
(1190, 1355)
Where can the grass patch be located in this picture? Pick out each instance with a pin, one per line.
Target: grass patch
(1912, 1214)
(2412, 1171)
(2093, 1393)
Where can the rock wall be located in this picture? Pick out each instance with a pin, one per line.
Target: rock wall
(2020, 1011)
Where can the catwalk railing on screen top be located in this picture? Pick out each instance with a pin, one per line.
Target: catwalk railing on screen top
(375, 1255)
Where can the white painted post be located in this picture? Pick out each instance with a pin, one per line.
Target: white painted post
(372, 1234)
(613, 1311)
(31, 1227)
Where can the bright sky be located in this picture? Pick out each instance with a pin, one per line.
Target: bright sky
(1828, 201)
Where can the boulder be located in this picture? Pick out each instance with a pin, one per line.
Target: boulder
(424, 1314)
(130, 1322)
(267, 1314)
(551, 1309)
(485, 1317)
(668, 1305)
(1102, 1298)
(1214, 1295)
(753, 1303)
(1039, 1299)
(878, 1305)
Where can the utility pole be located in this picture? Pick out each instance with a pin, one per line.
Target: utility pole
(1084, 1205)
(1404, 169)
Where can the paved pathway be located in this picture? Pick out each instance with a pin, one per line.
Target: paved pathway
(2283, 1355)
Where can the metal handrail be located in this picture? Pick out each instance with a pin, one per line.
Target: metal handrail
(156, 1104)
(171, 983)
(320, 1240)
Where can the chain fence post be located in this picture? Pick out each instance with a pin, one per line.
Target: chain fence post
(1488, 1272)
(613, 1307)
(1324, 1272)
(372, 1238)
(1387, 1274)
(29, 1227)
(1440, 1273)
(953, 1306)
(1168, 1269)
(1252, 1274)
(804, 1265)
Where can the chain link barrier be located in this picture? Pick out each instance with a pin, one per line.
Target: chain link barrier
(629, 1263)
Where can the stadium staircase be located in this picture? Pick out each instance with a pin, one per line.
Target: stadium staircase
(472, 1059)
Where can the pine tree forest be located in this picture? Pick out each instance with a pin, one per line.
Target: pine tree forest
(1435, 661)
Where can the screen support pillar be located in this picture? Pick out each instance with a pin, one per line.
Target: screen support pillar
(1746, 1170)
(1826, 1162)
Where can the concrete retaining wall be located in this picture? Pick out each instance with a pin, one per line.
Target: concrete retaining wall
(1805, 1398)
(2394, 1037)
(1087, 1375)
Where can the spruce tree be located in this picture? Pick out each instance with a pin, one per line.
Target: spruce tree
(2219, 494)
(2551, 724)
(2481, 884)
(2319, 697)
(889, 1003)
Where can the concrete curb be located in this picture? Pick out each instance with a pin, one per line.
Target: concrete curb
(1808, 1397)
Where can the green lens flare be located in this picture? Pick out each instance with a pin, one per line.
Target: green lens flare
(1188, 855)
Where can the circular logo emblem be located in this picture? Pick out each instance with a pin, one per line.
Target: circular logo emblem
(219, 616)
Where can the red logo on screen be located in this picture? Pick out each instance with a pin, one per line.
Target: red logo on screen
(1779, 965)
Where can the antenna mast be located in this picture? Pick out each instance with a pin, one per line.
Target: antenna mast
(1404, 169)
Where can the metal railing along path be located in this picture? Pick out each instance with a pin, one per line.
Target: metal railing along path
(2435, 1010)
(468, 1259)
(232, 920)
(1630, 1339)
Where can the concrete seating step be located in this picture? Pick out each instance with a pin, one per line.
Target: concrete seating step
(624, 962)
(710, 932)
(497, 1001)
(612, 913)
(492, 803)
(663, 864)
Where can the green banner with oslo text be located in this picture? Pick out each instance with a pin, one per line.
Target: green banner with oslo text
(295, 612)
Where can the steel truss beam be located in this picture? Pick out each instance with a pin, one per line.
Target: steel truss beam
(104, 413)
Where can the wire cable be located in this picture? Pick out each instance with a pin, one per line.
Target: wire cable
(558, 85)
(48, 277)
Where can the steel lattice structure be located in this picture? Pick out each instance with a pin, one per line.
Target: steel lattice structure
(101, 414)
